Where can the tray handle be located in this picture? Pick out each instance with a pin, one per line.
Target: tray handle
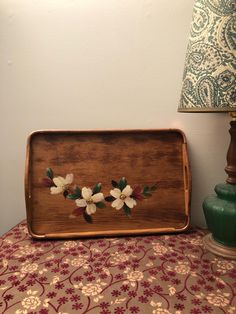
(187, 179)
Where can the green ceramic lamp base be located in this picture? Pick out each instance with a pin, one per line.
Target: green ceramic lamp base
(220, 209)
(220, 214)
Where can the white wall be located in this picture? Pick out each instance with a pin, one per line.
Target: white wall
(81, 64)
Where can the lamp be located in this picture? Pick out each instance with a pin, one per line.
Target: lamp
(209, 85)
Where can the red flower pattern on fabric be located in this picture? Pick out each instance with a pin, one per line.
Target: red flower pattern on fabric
(113, 276)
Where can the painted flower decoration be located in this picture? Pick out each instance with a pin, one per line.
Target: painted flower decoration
(86, 199)
(124, 196)
(89, 200)
(61, 184)
(58, 184)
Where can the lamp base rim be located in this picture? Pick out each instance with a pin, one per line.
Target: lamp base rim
(218, 249)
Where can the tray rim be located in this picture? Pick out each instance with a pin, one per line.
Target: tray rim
(109, 233)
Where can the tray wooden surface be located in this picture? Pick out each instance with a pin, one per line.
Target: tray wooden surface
(143, 157)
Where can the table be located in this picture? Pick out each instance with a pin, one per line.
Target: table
(157, 274)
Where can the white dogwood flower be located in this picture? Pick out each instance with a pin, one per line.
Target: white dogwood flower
(31, 302)
(61, 183)
(89, 200)
(123, 197)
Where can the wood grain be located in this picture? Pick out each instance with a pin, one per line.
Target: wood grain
(144, 157)
(230, 169)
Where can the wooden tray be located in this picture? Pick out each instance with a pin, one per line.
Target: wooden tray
(154, 163)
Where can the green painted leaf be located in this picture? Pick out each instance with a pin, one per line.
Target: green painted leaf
(76, 195)
(78, 192)
(122, 183)
(49, 173)
(100, 205)
(127, 210)
(87, 218)
(114, 184)
(109, 198)
(146, 189)
(72, 196)
(147, 194)
(97, 188)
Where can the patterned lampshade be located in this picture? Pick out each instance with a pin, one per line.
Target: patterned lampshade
(209, 80)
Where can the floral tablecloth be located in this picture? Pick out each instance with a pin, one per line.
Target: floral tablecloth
(152, 274)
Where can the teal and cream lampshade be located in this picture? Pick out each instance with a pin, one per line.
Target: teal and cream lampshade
(209, 80)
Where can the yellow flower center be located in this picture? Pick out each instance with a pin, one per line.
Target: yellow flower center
(90, 201)
(122, 197)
